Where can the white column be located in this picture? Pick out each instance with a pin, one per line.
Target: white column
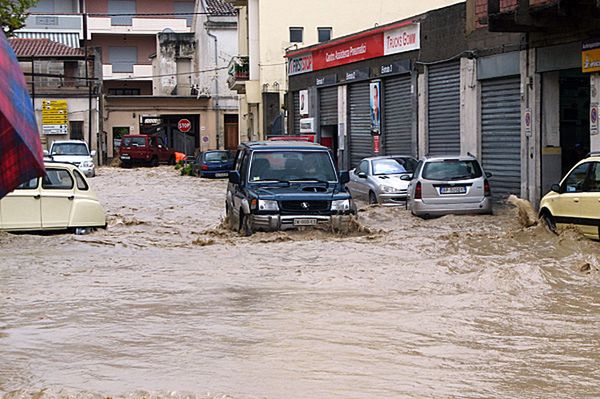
(423, 111)
(470, 132)
(253, 39)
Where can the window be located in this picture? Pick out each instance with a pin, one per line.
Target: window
(116, 7)
(44, 6)
(452, 170)
(296, 35)
(76, 128)
(81, 184)
(291, 166)
(574, 182)
(57, 179)
(118, 133)
(124, 92)
(324, 34)
(185, 7)
(363, 167)
(594, 183)
(122, 58)
(69, 149)
(29, 185)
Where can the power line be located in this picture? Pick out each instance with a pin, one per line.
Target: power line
(162, 14)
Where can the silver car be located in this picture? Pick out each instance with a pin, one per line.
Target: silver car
(382, 180)
(449, 185)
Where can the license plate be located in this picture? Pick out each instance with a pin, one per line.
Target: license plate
(453, 190)
(305, 222)
(125, 157)
(221, 174)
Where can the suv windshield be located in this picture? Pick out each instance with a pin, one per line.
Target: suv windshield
(69, 149)
(292, 166)
(134, 142)
(387, 167)
(451, 169)
(216, 156)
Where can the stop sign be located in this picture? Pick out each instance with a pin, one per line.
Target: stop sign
(184, 125)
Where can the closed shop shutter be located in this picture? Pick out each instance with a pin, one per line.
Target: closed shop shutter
(328, 106)
(398, 116)
(444, 108)
(296, 113)
(360, 140)
(501, 134)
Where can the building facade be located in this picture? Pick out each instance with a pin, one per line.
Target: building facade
(269, 28)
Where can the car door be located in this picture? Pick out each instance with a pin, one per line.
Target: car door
(21, 209)
(589, 207)
(57, 198)
(235, 195)
(567, 209)
(163, 151)
(360, 185)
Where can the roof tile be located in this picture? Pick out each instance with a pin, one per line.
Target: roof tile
(43, 48)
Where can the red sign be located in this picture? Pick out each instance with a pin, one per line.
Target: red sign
(184, 125)
(376, 144)
(355, 50)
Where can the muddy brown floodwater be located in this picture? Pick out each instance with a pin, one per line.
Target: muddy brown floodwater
(166, 304)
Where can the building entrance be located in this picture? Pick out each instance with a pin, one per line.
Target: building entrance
(574, 117)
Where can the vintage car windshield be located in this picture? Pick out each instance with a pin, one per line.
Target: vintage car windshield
(134, 142)
(387, 167)
(451, 169)
(216, 156)
(70, 149)
(292, 166)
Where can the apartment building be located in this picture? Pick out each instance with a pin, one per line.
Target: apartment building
(269, 28)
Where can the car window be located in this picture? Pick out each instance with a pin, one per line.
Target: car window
(69, 149)
(153, 142)
(238, 160)
(451, 169)
(292, 165)
(57, 179)
(575, 181)
(418, 168)
(134, 141)
(29, 185)
(215, 156)
(594, 180)
(81, 183)
(161, 142)
(387, 167)
(363, 167)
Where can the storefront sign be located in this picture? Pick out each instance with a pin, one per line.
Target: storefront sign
(307, 125)
(407, 38)
(303, 97)
(593, 119)
(326, 80)
(357, 74)
(300, 64)
(590, 56)
(376, 144)
(395, 68)
(375, 90)
(350, 51)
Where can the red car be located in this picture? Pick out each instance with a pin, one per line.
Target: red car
(145, 149)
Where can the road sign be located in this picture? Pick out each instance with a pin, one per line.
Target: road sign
(593, 118)
(55, 117)
(527, 121)
(184, 125)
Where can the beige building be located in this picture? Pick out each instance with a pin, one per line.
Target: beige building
(267, 28)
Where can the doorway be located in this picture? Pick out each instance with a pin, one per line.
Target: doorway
(232, 136)
(574, 117)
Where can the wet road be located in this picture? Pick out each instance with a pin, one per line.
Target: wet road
(166, 304)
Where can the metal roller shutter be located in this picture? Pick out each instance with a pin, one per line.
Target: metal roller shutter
(360, 140)
(444, 108)
(296, 113)
(501, 134)
(398, 116)
(328, 106)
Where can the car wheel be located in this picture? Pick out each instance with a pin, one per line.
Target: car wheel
(245, 224)
(172, 161)
(372, 198)
(549, 221)
(154, 161)
(229, 216)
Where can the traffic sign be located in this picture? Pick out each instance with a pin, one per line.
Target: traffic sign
(593, 118)
(184, 125)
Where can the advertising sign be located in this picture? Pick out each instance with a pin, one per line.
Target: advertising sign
(590, 56)
(301, 64)
(350, 51)
(55, 117)
(376, 144)
(407, 38)
(303, 98)
(375, 95)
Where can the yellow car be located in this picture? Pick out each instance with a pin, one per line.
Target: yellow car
(61, 200)
(576, 200)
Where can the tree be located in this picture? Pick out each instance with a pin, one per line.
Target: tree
(13, 14)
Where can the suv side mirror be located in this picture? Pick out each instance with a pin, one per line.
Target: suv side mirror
(488, 174)
(46, 153)
(555, 188)
(344, 177)
(234, 177)
(93, 153)
(406, 177)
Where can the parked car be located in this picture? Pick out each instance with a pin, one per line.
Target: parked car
(75, 152)
(215, 163)
(145, 149)
(283, 185)
(449, 185)
(576, 199)
(61, 200)
(382, 179)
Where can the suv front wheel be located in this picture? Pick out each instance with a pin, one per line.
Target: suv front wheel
(245, 228)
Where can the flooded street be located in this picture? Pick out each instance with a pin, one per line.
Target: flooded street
(167, 304)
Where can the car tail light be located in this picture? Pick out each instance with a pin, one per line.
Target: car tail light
(204, 167)
(487, 191)
(418, 191)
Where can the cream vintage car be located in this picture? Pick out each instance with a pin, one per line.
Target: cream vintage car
(61, 200)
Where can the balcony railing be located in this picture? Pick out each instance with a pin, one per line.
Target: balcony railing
(140, 26)
(239, 72)
(140, 72)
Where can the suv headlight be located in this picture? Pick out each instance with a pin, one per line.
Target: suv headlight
(267, 205)
(341, 205)
(87, 164)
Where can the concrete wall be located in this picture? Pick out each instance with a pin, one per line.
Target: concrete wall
(142, 6)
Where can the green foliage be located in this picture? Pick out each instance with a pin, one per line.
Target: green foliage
(13, 14)
(179, 165)
(186, 170)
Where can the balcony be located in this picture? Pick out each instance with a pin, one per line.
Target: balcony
(140, 72)
(239, 73)
(138, 26)
(63, 28)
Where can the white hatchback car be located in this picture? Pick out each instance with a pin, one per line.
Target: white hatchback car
(61, 200)
(75, 152)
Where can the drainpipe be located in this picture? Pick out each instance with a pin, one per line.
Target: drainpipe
(216, 100)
